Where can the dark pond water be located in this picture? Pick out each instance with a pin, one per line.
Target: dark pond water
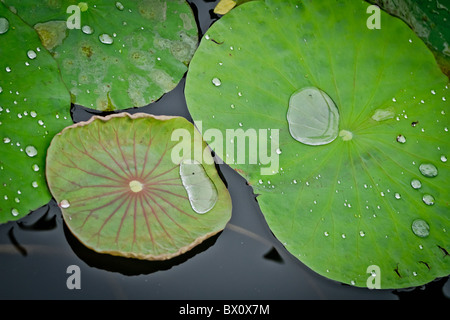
(245, 261)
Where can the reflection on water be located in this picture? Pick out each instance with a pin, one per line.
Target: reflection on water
(129, 266)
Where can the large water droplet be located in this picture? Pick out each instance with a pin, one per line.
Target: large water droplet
(420, 228)
(313, 117)
(201, 191)
(87, 29)
(105, 38)
(428, 170)
(15, 212)
(428, 199)
(31, 151)
(4, 25)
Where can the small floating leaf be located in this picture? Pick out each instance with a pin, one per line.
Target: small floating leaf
(122, 192)
(122, 54)
(348, 204)
(34, 105)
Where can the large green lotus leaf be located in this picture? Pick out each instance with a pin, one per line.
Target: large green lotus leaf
(125, 54)
(128, 186)
(430, 21)
(360, 173)
(34, 105)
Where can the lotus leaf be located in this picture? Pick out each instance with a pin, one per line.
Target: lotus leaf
(34, 105)
(127, 187)
(369, 206)
(116, 55)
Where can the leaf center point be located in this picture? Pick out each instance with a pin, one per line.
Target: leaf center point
(346, 135)
(136, 186)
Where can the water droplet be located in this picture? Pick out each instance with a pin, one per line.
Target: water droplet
(313, 117)
(278, 151)
(362, 233)
(87, 29)
(401, 138)
(35, 184)
(428, 170)
(428, 199)
(216, 82)
(105, 38)
(383, 114)
(31, 54)
(416, 184)
(136, 186)
(31, 151)
(201, 191)
(119, 6)
(8, 69)
(343, 236)
(14, 212)
(326, 234)
(443, 158)
(6, 140)
(64, 204)
(420, 228)
(4, 25)
(33, 114)
(397, 196)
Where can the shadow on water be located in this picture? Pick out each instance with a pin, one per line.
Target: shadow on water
(130, 266)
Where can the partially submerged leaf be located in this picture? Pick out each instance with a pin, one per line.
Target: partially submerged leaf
(124, 189)
(34, 105)
(376, 195)
(122, 54)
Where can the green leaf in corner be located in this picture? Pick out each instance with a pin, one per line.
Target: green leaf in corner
(121, 54)
(34, 105)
